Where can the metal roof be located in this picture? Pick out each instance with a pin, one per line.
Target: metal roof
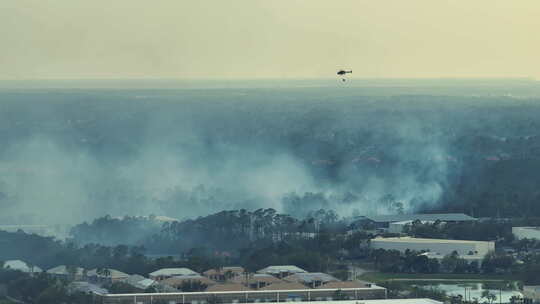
(63, 270)
(281, 269)
(87, 288)
(21, 266)
(257, 277)
(452, 217)
(173, 272)
(284, 286)
(113, 274)
(178, 280)
(224, 270)
(310, 277)
(228, 287)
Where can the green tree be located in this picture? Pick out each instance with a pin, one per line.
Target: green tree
(488, 295)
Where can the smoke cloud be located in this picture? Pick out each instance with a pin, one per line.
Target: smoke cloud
(73, 155)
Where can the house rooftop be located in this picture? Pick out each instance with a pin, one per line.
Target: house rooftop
(310, 277)
(345, 284)
(139, 281)
(113, 274)
(257, 277)
(64, 270)
(228, 287)
(173, 272)
(284, 286)
(177, 281)
(281, 269)
(87, 288)
(223, 270)
(21, 266)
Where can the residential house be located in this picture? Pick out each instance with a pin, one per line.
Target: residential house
(224, 273)
(285, 286)
(311, 279)
(87, 287)
(139, 282)
(106, 275)
(166, 273)
(257, 280)
(282, 270)
(67, 272)
(188, 283)
(22, 266)
(345, 284)
(227, 287)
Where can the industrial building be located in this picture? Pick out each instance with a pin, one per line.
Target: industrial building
(526, 233)
(252, 296)
(399, 227)
(437, 247)
(383, 221)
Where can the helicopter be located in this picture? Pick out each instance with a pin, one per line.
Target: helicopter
(342, 74)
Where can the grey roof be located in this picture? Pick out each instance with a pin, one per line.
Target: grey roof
(281, 269)
(113, 274)
(63, 270)
(173, 272)
(87, 288)
(310, 277)
(139, 281)
(457, 217)
(21, 266)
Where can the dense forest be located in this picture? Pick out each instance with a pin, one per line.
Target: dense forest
(431, 146)
(225, 231)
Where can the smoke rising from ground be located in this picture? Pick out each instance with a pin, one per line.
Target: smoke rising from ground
(73, 155)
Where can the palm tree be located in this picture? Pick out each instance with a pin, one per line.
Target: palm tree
(489, 296)
(107, 272)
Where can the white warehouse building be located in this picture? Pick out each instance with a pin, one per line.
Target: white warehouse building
(526, 232)
(437, 247)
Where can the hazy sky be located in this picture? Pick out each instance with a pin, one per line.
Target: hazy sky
(268, 38)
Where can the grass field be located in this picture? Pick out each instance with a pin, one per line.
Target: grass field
(381, 277)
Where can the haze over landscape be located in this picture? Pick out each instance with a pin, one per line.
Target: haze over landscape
(89, 153)
(255, 142)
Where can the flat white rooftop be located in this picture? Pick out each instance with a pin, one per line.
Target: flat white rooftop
(528, 228)
(420, 240)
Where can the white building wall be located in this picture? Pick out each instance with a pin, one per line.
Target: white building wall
(398, 227)
(442, 247)
(526, 232)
